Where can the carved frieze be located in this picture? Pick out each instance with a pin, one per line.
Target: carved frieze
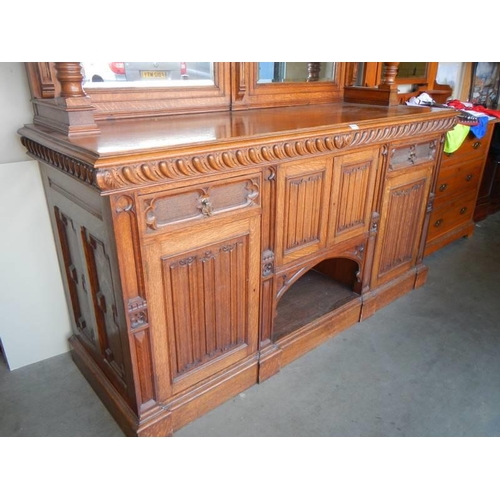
(109, 179)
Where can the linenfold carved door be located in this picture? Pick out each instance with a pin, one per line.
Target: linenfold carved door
(353, 182)
(203, 288)
(303, 194)
(403, 209)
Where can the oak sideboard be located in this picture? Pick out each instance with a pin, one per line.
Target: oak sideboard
(202, 253)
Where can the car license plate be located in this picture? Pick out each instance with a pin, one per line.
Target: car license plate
(153, 74)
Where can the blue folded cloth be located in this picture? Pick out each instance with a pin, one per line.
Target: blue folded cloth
(480, 129)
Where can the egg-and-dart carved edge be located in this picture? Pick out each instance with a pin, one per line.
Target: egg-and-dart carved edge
(190, 166)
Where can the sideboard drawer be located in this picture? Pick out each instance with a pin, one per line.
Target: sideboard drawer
(169, 209)
(463, 178)
(450, 215)
(412, 154)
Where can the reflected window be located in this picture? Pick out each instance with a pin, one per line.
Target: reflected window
(284, 72)
(451, 73)
(147, 74)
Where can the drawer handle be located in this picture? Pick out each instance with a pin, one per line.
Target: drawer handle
(469, 177)
(411, 156)
(438, 222)
(463, 210)
(443, 187)
(476, 145)
(206, 207)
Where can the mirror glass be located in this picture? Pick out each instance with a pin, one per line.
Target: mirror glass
(284, 72)
(147, 74)
(412, 70)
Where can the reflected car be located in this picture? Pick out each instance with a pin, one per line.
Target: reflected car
(137, 71)
(97, 72)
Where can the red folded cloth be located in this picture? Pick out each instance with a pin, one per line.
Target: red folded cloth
(455, 103)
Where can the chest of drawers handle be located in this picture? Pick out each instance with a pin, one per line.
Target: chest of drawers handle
(469, 177)
(443, 187)
(476, 145)
(438, 222)
(463, 210)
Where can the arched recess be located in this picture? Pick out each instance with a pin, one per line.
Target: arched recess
(308, 293)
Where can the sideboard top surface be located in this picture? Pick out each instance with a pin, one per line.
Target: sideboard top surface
(128, 154)
(174, 133)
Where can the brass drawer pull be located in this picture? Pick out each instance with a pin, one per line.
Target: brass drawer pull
(469, 177)
(476, 145)
(443, 187)
(438, 222)
(463, 210)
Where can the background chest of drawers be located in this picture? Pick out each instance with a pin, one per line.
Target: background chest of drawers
(488, 199)
(456, 191)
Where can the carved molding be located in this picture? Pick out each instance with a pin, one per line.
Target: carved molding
(192, 166)
(76, 168)
(181, 167)
(356, 253)
(285, 281)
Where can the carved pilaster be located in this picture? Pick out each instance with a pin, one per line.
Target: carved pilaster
(42, 80)
(369, 254)
(125, 225)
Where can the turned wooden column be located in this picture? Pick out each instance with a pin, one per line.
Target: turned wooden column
(352, 74)
(313, 69)
(389, 74)
(69, 75)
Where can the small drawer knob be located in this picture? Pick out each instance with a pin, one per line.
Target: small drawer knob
(463, 210)
(469, 177)
(438, 222)
(443, 187)
(476, 145)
